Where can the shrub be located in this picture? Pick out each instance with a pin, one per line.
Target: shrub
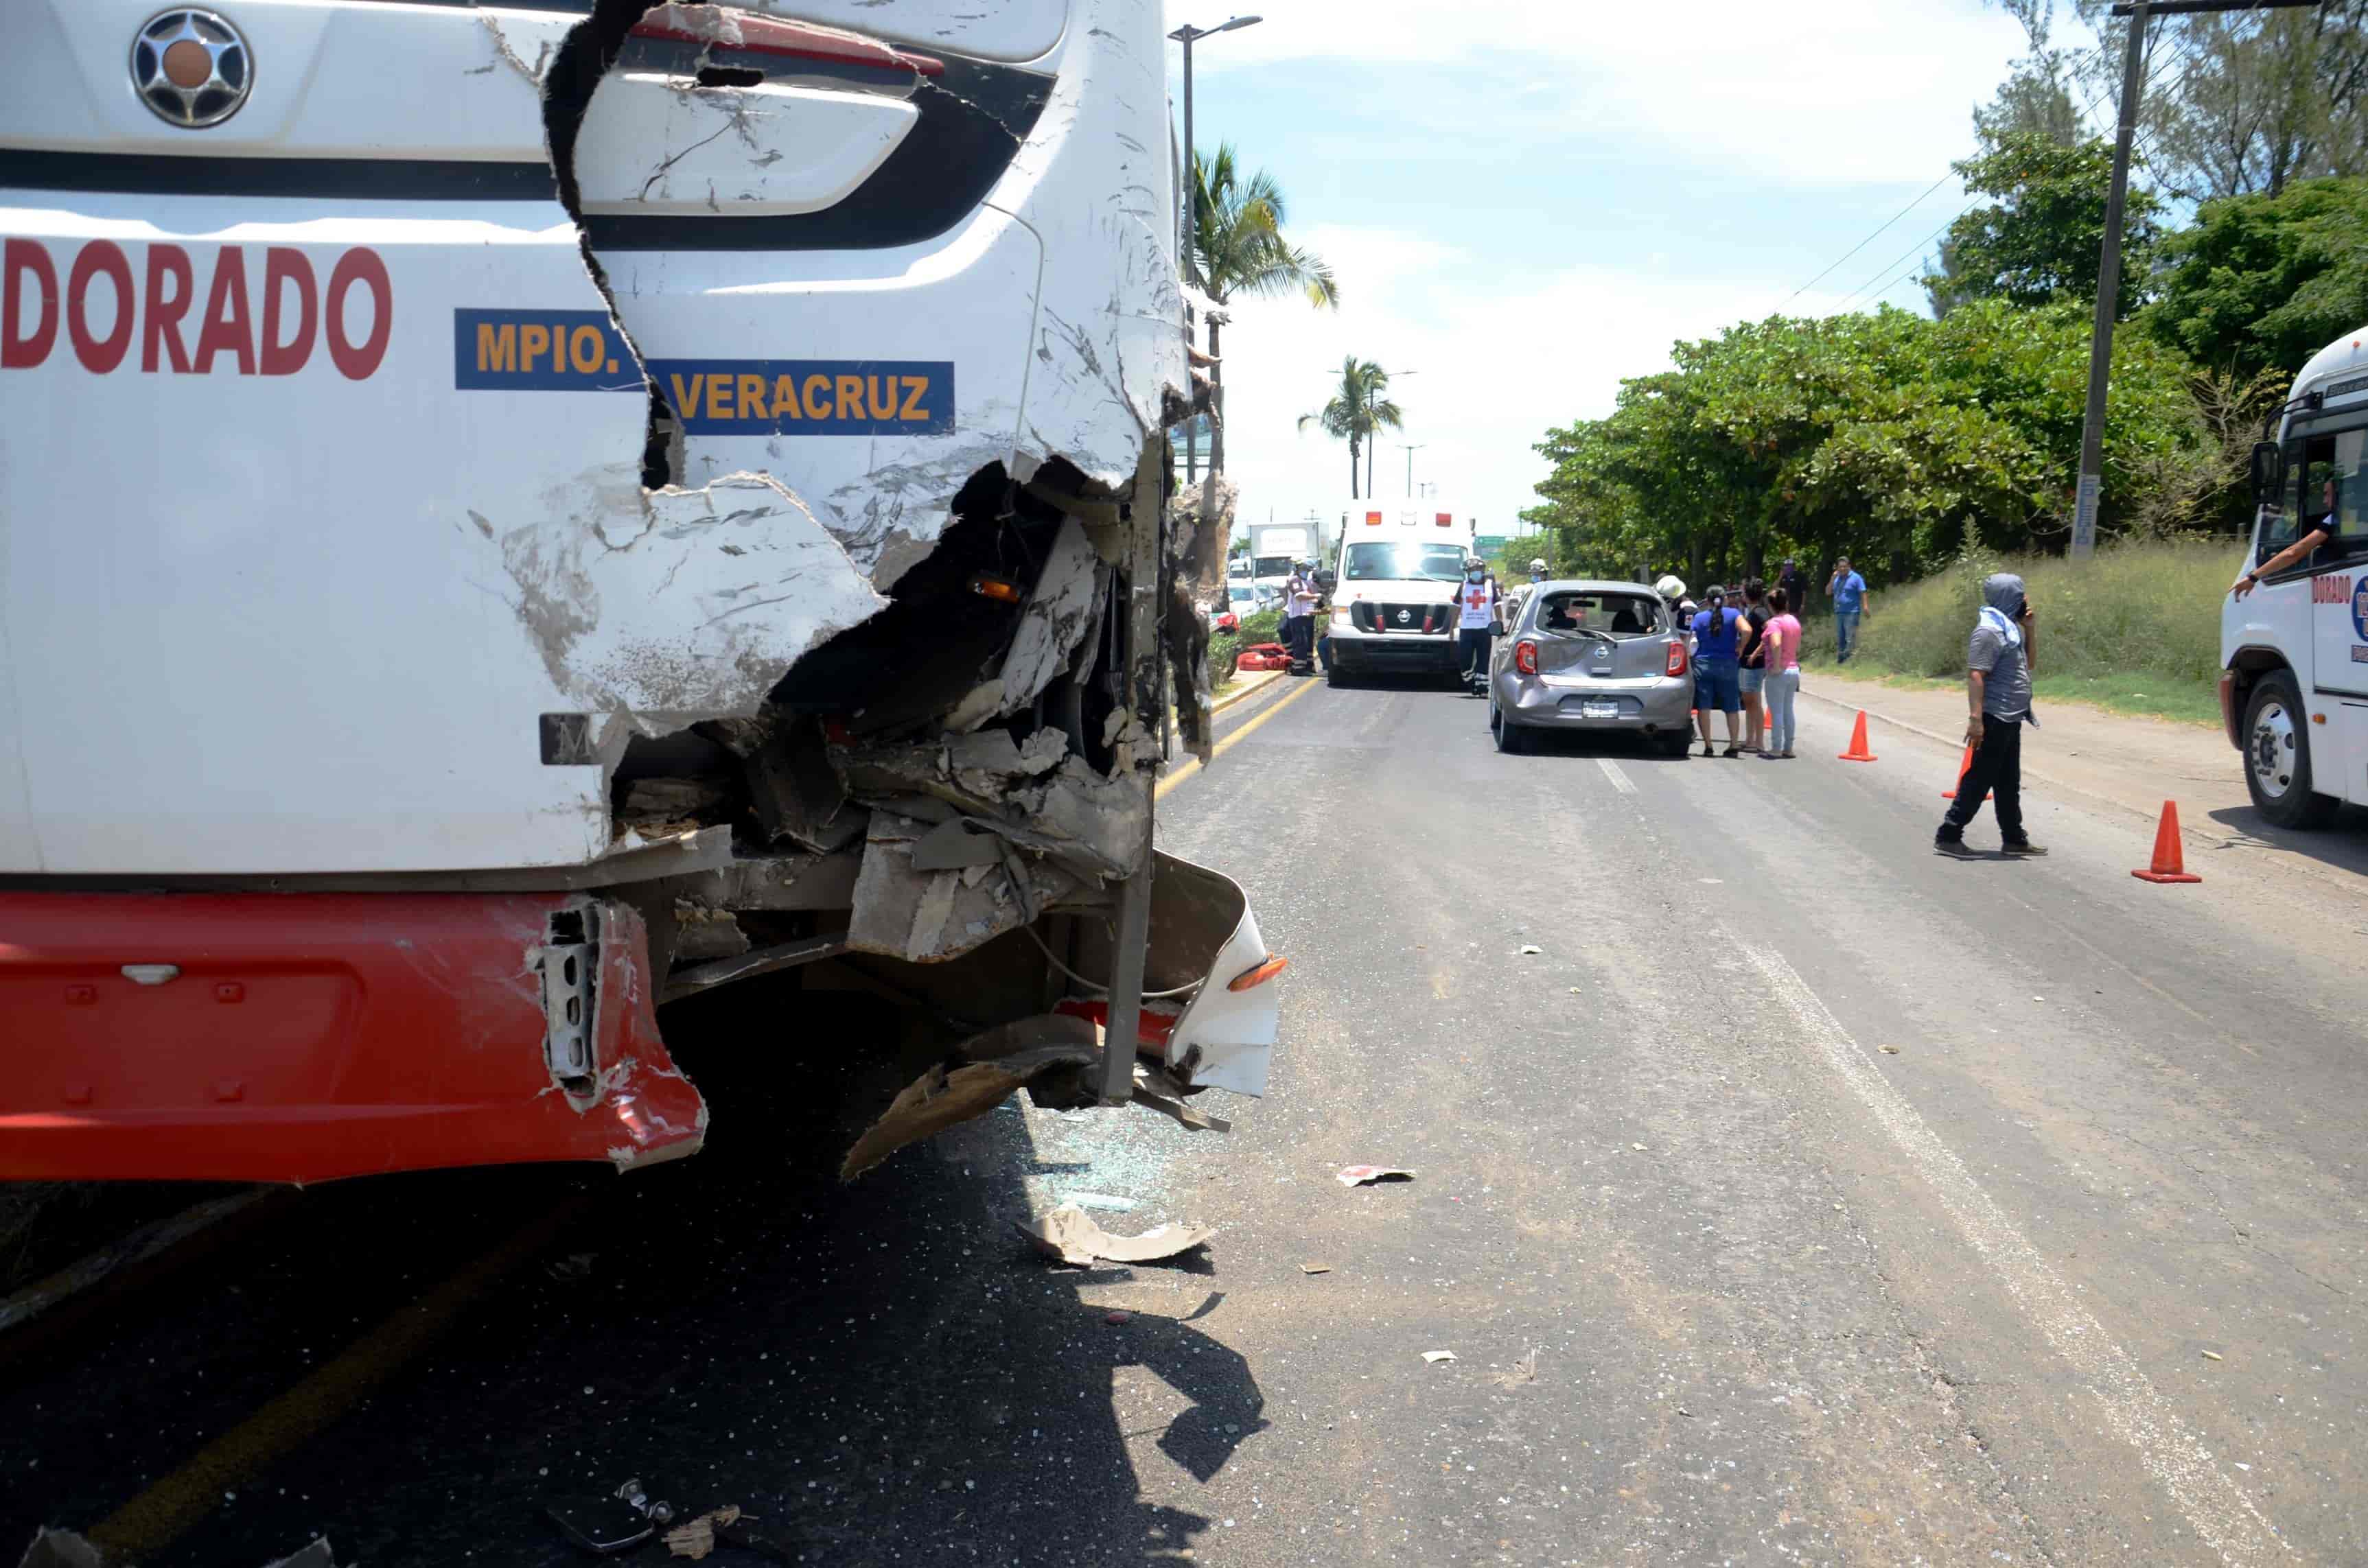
(2144, 608)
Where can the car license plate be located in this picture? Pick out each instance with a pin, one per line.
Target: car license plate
(1598, 709)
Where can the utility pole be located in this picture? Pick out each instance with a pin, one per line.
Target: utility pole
(1411, 448)
(1190, 215)
(2109, 256)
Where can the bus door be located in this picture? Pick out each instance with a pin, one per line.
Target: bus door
(2328, 490)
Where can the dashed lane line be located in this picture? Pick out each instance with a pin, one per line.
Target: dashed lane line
(2170, 1449)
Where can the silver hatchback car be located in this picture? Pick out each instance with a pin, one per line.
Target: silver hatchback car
(1591, 655)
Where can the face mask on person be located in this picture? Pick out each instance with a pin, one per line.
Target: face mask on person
(1473, 575)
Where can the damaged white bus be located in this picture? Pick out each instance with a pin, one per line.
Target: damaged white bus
(515, 514)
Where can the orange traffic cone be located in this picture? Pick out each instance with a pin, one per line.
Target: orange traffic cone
(1963, 768)
(1858, 751)
(2169, 865)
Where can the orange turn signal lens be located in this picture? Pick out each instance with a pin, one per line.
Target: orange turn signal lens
(995, 588)
(1258, 974)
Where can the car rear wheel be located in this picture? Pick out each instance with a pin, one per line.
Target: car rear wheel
(2277, 757)
(1512, 739)
(1674, 743)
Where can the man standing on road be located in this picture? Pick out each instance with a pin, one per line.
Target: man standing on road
(1477, 602)
(1298, 617)
(2001, 658)
(1848, 590)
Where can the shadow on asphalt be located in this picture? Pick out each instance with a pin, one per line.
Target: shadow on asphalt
(879, 1373)
(2342, 844)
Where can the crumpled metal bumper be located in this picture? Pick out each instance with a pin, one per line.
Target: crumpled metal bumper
(302, 1036)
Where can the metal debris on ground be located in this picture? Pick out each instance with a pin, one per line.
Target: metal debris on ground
(985, 1069)
(1069, 1234)
(696, 1538)
(60, 1549)
(1891, 1051)
(2213, 1356)
(1640, 1148)
(1528, 948)
(1365, 1176)
(1315, 1268)
(1522, 1371)
(1101, 1200)
(1436, 1356)
(605, 1527)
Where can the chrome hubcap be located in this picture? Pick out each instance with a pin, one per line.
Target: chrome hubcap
(2271, 752)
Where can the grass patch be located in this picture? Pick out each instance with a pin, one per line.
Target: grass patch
(2135, 629)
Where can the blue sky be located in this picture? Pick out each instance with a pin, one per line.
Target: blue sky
(1533, 200)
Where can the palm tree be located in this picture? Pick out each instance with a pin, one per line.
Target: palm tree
(1356, 413)
(1238, 249)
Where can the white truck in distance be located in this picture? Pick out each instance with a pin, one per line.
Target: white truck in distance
(1394, 609)
(1276, 549)
(688, 510)
(2294, 684)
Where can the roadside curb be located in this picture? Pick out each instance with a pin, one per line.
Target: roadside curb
(2143, 813)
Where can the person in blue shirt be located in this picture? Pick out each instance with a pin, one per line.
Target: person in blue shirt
(1849, 592)
(1718, 669)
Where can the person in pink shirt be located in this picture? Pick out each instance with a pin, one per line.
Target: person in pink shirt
(1783, 684)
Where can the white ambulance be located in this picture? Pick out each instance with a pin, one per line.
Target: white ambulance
(2293, 651)
(1394, 609)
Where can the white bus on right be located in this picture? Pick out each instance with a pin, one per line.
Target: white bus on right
(2293, 631)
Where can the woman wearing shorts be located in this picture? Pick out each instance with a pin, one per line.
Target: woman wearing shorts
(1718, 683)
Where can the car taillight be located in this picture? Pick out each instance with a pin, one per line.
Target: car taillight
(1677, 658)
(1525, 656)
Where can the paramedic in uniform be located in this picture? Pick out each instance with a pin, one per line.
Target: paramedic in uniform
(1477, 602)
(1299, 614)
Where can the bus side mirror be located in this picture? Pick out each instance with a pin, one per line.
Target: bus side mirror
(2269, 471)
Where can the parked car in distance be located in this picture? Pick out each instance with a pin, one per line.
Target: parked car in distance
(1591, 655)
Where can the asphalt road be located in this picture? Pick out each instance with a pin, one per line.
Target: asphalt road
(2071, 1274)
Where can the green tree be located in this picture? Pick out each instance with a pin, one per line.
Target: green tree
(2039, 240)
(1239, 250)
(2262, 282)
(1885, 436)
(2264, 99)
(2036, 96)
(1358, 410)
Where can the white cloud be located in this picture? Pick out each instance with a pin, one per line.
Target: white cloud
(1492, 370)
(1816, 91)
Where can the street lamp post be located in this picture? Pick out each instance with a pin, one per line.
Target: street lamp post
(1187, 210)
(1374, 431)
(1411, 448)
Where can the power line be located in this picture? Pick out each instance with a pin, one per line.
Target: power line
(1915, 251)
(1869, 239)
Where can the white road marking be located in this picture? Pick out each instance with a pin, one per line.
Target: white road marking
(2172, 1452)
(1619, 779)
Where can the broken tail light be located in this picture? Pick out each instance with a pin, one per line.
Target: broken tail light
(1525, 656)
(1677, 659)
(1258, 974)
